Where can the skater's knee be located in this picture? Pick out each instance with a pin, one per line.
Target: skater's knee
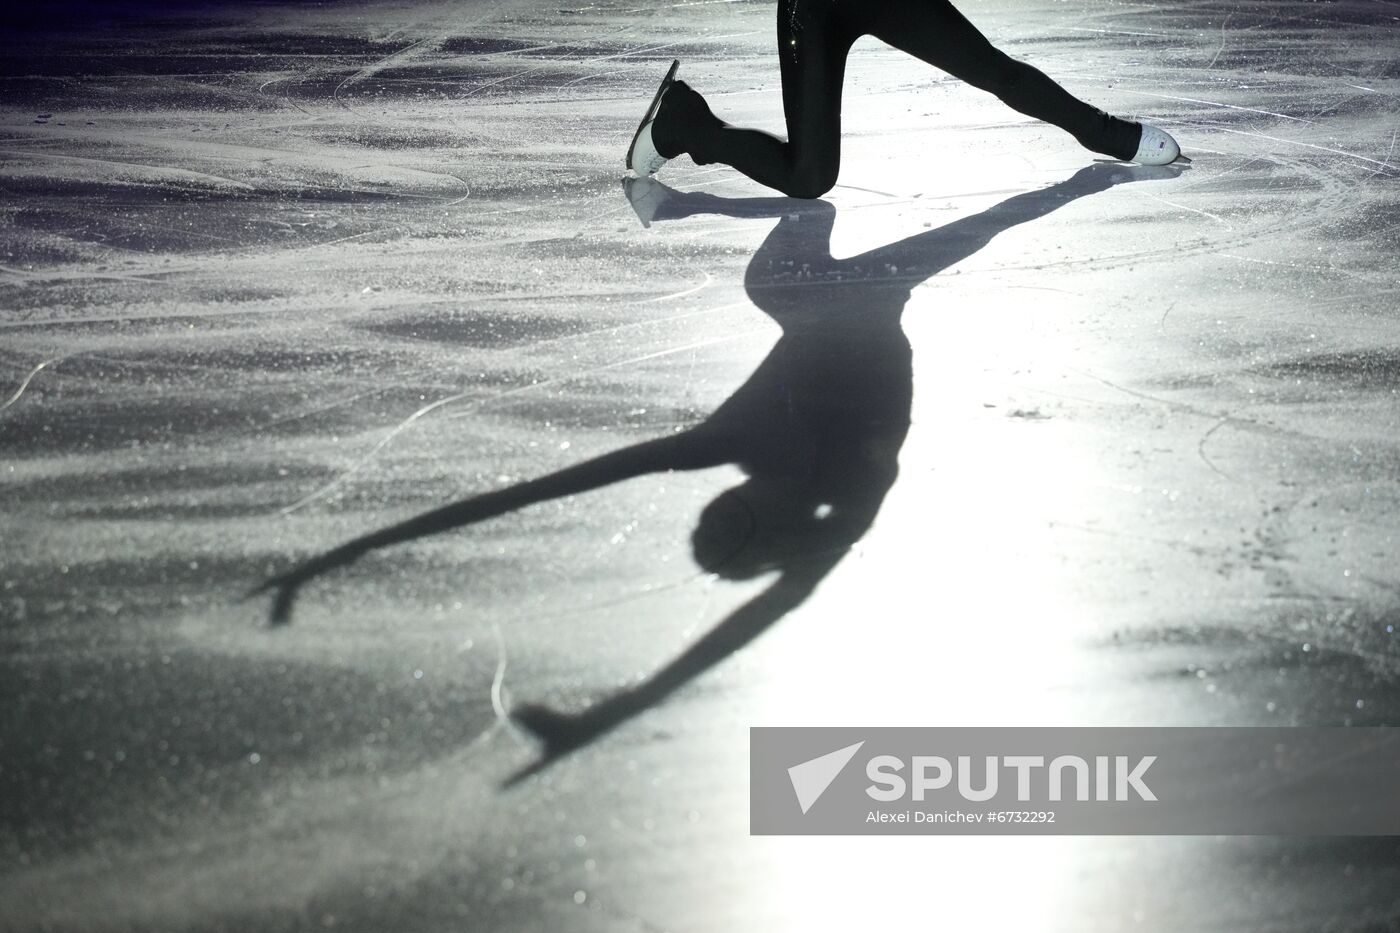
(812, 178)
(809, 188)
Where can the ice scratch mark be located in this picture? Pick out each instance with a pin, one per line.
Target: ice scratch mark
(676, 6)
(589, 61)
(637, 325)
(28, 379)
(64, 276)
(1388, 153)
(1263, 262)
(883, 194)
(1384, 166)
(426, 44)
(1221, 418)
(657, 48)
(647, 591)
(395, 58)
(1228, 171)
(707, 173)
(680, 294)
(319, 409)
(590, 77)
(347, 239)
(154, 174)
(262, 91)
(1201, 446)
(493, 83)
(1142, 395)
(1225, 106)
(499, 697)
(1216, 56)
(1118, 32)
(1219, 220)
(428, 409)
(383, 442)
(1198, 550)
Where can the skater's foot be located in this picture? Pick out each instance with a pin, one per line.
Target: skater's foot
(682, 106)
(643, 156)
(1156, 147)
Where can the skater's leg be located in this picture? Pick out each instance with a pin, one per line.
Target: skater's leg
(812, 49)
(934, 31)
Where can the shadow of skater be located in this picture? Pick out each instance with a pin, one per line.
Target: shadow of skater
(817, 428)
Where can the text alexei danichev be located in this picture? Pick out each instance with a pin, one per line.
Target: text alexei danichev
(960, 816)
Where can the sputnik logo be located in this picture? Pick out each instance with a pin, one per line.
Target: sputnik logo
(811, 778)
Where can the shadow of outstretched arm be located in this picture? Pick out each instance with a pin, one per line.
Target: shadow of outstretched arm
(561, 733)
(689, 451)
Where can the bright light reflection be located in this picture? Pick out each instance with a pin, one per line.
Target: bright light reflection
(956, 609)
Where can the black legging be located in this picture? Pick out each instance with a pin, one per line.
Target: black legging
(814, 38)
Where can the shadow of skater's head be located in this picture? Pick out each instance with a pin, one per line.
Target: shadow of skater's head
(764, 525)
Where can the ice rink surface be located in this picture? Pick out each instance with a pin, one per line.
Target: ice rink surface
(992, 435)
